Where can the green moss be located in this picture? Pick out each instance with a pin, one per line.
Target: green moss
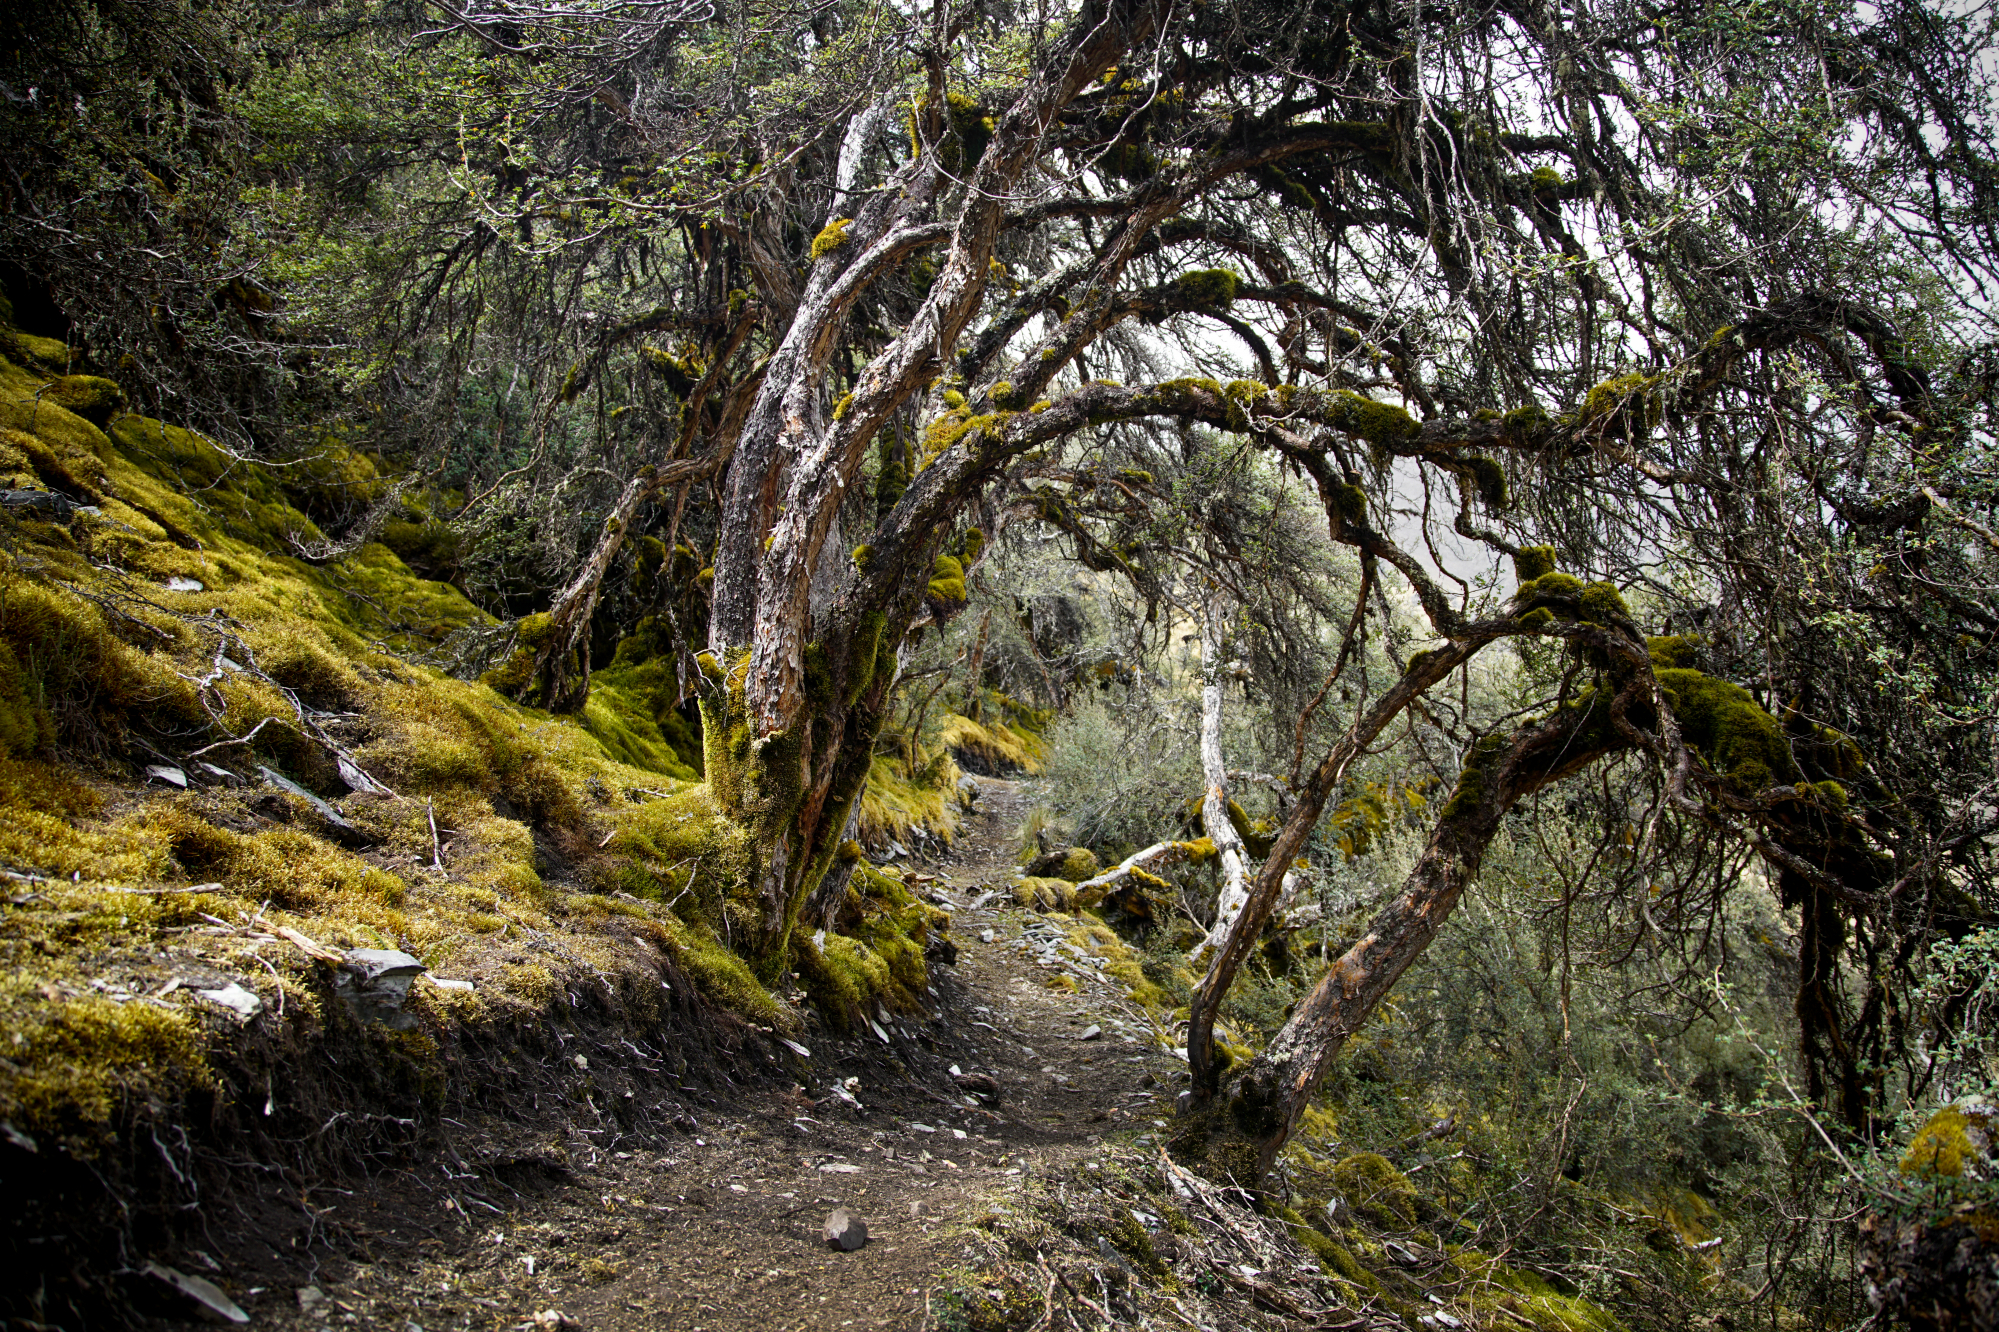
(94, 399)
(1730, 730)
(1377, 1190)
(840, 408)
(1208, 289)
(1538, 618)
(953, 399)
(514, 675)
(1375, 422)
(1561, 585)
(1466, 795)
(953, 426)
(1602, 603)
(1128, 1237)
(79, 1059)
(723, 977)
(1336, 1258)
(1004, 395)
(1045, 894)
(947, 582)
(831, 237)
(1673, 651)
(1078, 865)
(1954, 1143)
(1628, 402)
(1529, 420)
(1351, 501)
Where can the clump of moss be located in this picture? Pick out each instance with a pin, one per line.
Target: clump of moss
(1723, 722)
(1602, 603)
(831, 237)
(1078, 865)
(1628, 404)
(1531, 419)
(1956, 1142)
(1377, 423)
(946, 590)
(1044, 894)
(94, 399)
(1673, 651)
(1377, 1190)
(1207, 289)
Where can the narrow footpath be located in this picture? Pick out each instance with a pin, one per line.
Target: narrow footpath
(719, 1224)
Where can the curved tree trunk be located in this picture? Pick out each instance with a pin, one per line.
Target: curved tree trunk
(795, 691)
(1240, 1135)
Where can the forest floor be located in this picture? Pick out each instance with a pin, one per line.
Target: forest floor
(720, 1224)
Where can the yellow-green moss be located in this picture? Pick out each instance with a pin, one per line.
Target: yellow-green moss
(1043, 894)
(1376, 1189)
(1730, 729)
(1629, 402)
(1673, 651)
(831, 237)
(1208, 289)
(80, 1059)
(1078, 865)
(94, 399)
(1955, 1143)
(996, 744)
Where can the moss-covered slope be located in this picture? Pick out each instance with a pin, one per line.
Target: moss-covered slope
(213, 745)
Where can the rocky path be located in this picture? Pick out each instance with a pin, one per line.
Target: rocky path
(719, 1225)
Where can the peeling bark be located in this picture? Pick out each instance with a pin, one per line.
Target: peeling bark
(1215, 821)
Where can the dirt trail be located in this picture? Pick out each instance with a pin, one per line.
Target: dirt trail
(718, 1226)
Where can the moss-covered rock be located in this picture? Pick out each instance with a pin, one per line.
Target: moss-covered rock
(1079, 864)
(91, 397)
(1377, 1190)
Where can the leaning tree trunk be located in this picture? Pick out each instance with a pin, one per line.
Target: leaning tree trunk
(1240, 1134)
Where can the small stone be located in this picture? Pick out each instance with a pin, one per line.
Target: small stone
(1091, 1033)
(309, 1296)
(236, 999)
(845, 1233)
(985, 936)
(375, 966)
